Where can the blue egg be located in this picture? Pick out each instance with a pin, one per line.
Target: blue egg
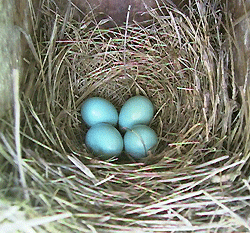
(139, 140)
(98, 110)
(104, 140)
(137, 110)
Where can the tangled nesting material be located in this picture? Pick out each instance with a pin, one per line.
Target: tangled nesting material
(198, 179)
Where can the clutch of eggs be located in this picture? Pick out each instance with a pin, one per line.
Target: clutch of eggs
(105, 141)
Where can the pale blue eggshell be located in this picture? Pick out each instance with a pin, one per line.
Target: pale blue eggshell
(104, 140)
(97, 110)
(136, 110)
(139, 140)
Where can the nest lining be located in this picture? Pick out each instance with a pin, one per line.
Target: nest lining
(196, 180)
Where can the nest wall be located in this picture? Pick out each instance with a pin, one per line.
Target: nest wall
(197, 180)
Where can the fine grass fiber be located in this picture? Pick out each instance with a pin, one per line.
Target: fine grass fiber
(198, 178)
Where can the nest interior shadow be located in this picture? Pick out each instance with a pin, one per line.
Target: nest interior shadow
(198, 177)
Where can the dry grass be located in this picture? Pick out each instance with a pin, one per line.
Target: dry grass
(198, 181)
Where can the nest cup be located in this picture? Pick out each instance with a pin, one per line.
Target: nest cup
(196, 180)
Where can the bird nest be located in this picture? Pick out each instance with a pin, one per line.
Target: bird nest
(196, 180)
